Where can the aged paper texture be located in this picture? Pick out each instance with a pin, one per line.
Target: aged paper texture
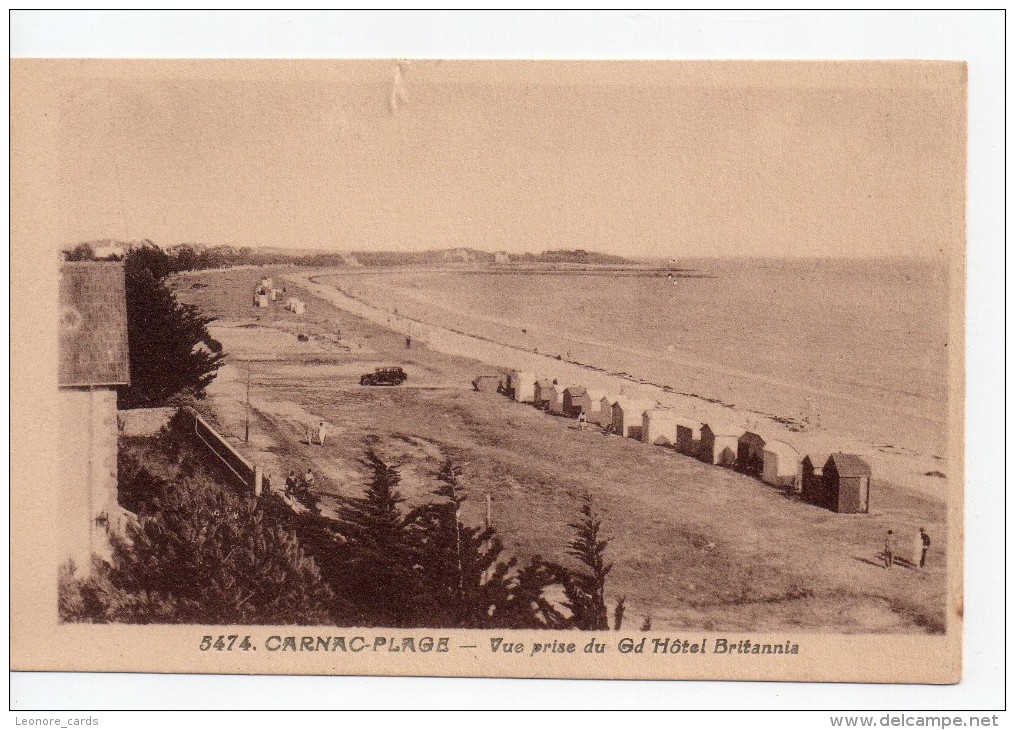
(521, 369)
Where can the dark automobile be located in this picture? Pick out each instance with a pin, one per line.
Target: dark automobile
(384, 376)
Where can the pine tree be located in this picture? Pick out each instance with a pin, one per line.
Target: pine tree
(376, 564)
(171, 351)
(527, 606)
(468, 582)
(585, 588)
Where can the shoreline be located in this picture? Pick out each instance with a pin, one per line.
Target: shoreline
(911, 471)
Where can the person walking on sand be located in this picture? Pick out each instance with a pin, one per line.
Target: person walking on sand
(322, 433)
(291, 483)
(889, 553)
(924, 546)
(308, 480)
(581, 420)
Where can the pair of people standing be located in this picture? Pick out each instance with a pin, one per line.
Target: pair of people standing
(891, 549)
(320, 433)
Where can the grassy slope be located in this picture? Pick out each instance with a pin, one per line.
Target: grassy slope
(695, 546)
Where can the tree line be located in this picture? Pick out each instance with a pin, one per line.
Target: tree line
(202, 552)
(195, 257)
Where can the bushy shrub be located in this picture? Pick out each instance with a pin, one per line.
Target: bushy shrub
(214, 553)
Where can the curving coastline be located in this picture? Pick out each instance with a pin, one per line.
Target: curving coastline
(895, 463)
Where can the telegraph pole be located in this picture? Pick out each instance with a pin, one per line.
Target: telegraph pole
(246, 427)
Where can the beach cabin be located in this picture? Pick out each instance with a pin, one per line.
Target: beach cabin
(780, 464)
(541, 393)
(522, 385)
(626, 417)
(659, 427)
(812, 470)
(589, 402)
(846, 484)
(719, 443)
(556, 400)
(749, 453)
(573, 401)
(603, 413)
(688, 433)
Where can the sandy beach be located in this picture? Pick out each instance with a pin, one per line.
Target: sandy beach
(905, 449)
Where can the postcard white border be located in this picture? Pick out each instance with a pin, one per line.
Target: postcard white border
(976, 37)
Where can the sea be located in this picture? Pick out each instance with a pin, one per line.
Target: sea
(861, 346)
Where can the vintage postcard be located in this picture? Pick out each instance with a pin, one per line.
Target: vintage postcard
(647, 370)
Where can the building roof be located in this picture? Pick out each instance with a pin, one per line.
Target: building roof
(575, 391)
(752, 436)
(633, 405)
(93, 324)
(849, 465)
(544, 383)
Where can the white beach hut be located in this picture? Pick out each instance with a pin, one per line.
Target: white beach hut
(659, 427)
(780, 464)
(719, 441)
(626, 416)
(556, 399)
(589, 402)
(603, 412)
(523, 384)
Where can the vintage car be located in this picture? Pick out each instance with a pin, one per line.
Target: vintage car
(384, 376)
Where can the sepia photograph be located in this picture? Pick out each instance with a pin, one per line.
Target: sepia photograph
(545, 368)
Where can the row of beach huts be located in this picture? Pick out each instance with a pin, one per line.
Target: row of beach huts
(836, 481)
(265, 293)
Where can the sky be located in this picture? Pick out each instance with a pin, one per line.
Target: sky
(639, 159)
